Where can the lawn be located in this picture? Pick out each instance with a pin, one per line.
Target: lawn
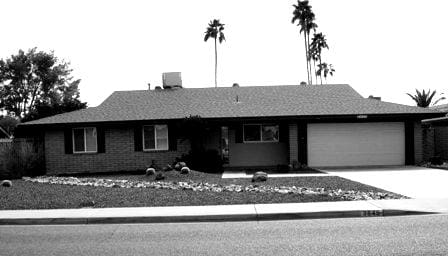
(30, 195)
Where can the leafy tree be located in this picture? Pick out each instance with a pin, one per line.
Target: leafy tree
(318, 43)
(326, 69)
(215, 31)
(425, 99)
(36, 80)
(305, 17)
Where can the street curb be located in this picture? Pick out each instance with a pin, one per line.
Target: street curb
(210, 218)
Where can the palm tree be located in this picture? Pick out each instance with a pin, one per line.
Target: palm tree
(318, 43)
(305, 17)
(215, 31)
(424, 99)
(327, 69)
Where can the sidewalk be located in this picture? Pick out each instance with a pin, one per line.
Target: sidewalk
(249, 212)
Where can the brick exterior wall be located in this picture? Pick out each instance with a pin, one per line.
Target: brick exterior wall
(418, 143)
(120, 154)
(293, 143)
(428, 146)
(441, 141)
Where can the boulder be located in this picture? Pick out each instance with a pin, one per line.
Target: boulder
(185, 170)
(259, 177)
(150, 171)
(6, 183)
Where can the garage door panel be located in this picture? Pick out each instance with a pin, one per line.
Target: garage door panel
(356, 144)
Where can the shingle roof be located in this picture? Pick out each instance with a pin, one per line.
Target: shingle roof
(441, 108)
(227, 102)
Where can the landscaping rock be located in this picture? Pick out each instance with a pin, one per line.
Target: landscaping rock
(204, 186)
(185, 170)
(6, 183)
(259, 177)
(160, 176)
(150, 171)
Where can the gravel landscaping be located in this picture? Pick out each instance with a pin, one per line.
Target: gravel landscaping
(176, 189)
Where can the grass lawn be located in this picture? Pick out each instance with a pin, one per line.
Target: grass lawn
(30, 195)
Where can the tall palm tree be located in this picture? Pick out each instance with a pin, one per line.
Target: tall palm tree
(318, 43)
(215, 31)
(305, 17)
(325, 68)
(424, 99)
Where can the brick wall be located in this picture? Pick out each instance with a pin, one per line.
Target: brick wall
(441, 141)
(418, 143)
(119, 156)
(293, 143)
(427, 142)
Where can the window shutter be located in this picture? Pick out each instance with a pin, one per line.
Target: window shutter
(239, 133)
(68, 141)
(284, 132)
(138, 143)
(172, 137)
(101, 140)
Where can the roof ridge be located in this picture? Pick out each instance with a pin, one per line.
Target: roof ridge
(230, 87)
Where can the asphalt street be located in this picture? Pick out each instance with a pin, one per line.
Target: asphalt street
(409, 235)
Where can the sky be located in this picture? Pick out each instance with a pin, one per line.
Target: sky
(381, 48)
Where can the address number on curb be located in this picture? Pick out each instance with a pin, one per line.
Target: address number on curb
(371, 213)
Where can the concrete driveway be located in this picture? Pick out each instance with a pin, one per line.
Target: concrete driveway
(411, 181)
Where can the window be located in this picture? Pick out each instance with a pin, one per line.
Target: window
(155, 137)
(84, 140)
(260, 133)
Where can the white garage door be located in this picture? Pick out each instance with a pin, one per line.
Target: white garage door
(356, 144)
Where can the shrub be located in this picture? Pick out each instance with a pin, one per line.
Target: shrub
(160, 176)
(21, 158)
(167, 168)
(436, 160)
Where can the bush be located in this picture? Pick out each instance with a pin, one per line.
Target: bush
(21, 158)
(160, 176)
(436, 160)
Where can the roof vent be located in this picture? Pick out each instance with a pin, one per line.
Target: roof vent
(374, 98)
(172, 80)
(235, 85)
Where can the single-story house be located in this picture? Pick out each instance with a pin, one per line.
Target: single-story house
(436, 134)
(317, 125)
